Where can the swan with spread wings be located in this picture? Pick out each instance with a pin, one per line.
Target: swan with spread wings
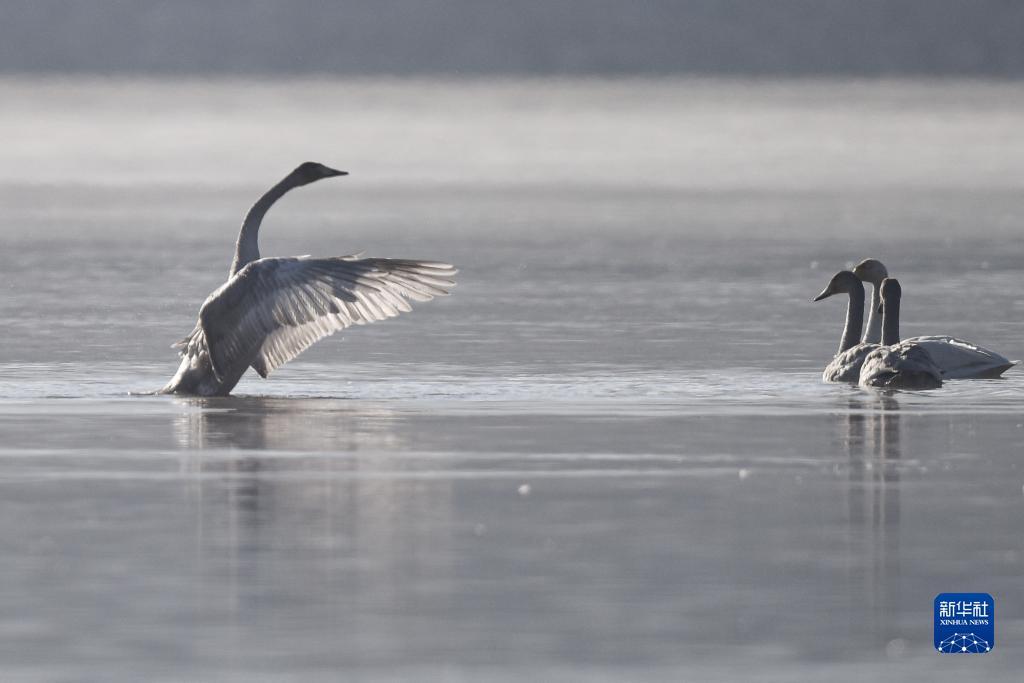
(272, 309)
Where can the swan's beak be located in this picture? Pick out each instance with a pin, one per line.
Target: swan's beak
(334, 172)
(826, 293)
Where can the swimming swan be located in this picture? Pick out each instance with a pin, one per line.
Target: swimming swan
(272, 309)
(845, 367)
(895, 364)
(958, 359)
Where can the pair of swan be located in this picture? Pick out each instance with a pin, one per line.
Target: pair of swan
(880, 358)
(272, 309)
(887, 364)
(958, 359)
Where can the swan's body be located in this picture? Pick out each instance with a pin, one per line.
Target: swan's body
(961, 359)
(958, 359)
(896, 364)
(900, 366)
(272, 309)
(845, 367)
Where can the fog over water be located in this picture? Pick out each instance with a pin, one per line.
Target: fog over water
(608, 455)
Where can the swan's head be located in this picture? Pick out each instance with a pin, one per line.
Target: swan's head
(842, 282)
(871, 270)
(890, 291)
(312, 171)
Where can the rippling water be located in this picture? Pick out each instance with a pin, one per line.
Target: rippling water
(608, 455)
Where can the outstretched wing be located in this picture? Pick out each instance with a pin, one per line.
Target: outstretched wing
(275, 308)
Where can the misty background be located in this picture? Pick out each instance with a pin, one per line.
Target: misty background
(567, 37)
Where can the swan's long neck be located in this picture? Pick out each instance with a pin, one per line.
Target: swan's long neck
(247, 248)
(891, 321)
(873, 333)
(854, 319)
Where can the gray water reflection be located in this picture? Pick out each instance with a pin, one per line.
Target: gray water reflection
(323, 508)
(260, 424)
(301, 511)
(872, 433)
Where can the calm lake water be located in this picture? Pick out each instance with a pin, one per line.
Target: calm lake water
(608, 456)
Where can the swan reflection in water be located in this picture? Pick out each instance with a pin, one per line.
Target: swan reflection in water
(311, 499)
(871, 434)
(286, 425)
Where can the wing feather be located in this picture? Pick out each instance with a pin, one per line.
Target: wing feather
(275, 308)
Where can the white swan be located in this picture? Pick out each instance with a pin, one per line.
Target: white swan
(272, 309)
(958, 359)
(895, 364)
(845, 367)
